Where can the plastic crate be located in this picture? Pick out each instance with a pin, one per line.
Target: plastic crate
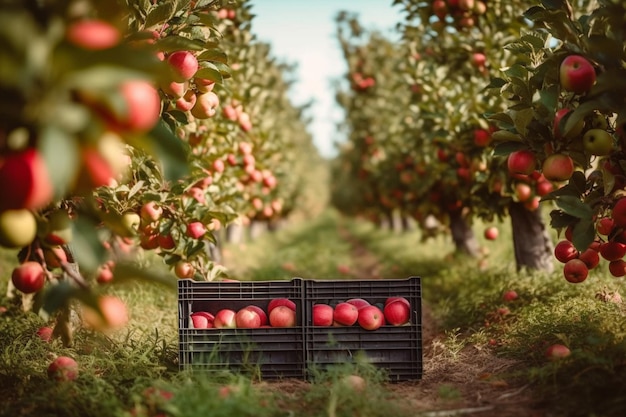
(268, 352)
(396, 349)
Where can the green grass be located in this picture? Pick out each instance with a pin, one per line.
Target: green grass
(463, 293)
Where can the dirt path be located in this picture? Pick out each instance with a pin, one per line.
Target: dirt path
(470, 381)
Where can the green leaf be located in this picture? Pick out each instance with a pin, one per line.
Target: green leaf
(210, 73)
(506, 148)
(216, 55)
(89, 251)
(574, 207)
(583, 234)
(60, 152)
(179, 43)
(161, 13)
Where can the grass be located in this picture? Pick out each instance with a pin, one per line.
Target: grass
(465, 296)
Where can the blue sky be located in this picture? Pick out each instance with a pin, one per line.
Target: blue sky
(303, 32)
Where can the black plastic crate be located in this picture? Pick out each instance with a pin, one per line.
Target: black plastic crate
(272, 352)
(396, 349)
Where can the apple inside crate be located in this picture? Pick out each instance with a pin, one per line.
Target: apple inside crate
(248, 314)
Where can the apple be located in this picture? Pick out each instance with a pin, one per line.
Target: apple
(466, 5)
(558, 167)
(206, 105)
(282, 316)
(440, 9)
(63, 368)
(150, 211)
(202, 321)
(521, 162)
(59, 228)
(523, 191)
(478, 60)
(401, 299)
(480, 7)
(184, 65)
(509, 295)
(230, 113)
(491, 233)
(244, 122)
(142, 109)
(575, 271)
(618, 213)
(204, 85)
(104, 274)
(353, 382)
(93, 34)
(18, 228)
(24, 181)
(556, 352)
(275, 302)
(166, 241)
(322, 315)
(260, 312)
(113, 314)
(565, 251)
(184, 269)
(187, 101)
(397, 313)
(574, 131)
(343, 269)
(605, 226)
(543, 188)
(617, 268)
(345, 314)
(598, 142)
(174, 89)
(482, 137)
(45, 333)
(247, 318)
(358, 302)
(576, 74)
(225, 318)
(196, 230)
(590, 257)
(54, 256)
(612, 250)
(371, 317)
(28, 277)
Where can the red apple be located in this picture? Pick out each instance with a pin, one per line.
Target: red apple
(18, 228)
(577, 74)
(114, 314)
(275, 302)
(24, 181)
(63, 368)
(345, 314)
(187, 101)
(612, 250)
(28, 277)
(143, 107)
(590, 257)
(260, 312)
(206, 105)
(617, 268)
(401, 299)
(204, 85)
(558, 167)
(358, 302)
(322, 315)
(104, 274)
(523, 192)
(619, 212)
(565, 251)
(509, 295)
(543, 188)
(202, 321)
(196, 230)
(482, 137)
(521, 162)
(282, 316)
(247, 318)
(491, 233)
(225, 318)
(93, 34)
(397, 313)
(184, 65)
(45, 333)
(184, 269)
(605, 225)
(174, 89)
(150, 211)
(575, 271)
(371, 318)
(557, 352)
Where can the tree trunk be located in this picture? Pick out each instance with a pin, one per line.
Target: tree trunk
(463, 235)
(531, 242)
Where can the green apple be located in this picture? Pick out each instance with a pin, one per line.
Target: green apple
(18, 228)
(598, 142)
(59, 231)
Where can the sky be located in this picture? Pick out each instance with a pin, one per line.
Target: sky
(302, 32)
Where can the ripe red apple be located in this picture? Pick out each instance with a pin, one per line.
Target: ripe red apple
(93, 34)
(247, 318)
(440, 9)
(225, 318)
(558, 167)
(18, 228)
(401, 299)
(612, 250)
(322, 315)
(204, 85)
(575, 271)
(509, 295)
(521, 162)
(565, 251)
(617, 268)
(151, 211)
(28, 277)
(523, 191)
(618, 213)
(282, 316)
(482, 137)
(598, 142)
(143, 107)
(104, 274)
(166, 241)
(358, 302)
(196, 230)
(184, 65)
(604, 226)
(174, 89)
(397, 313)
(543, 188)
(577, 74)
(187, 101)
(260, 312)
(184, 269)
(275, 302)
(491, 233)
(206, 105)
(244, 122)
(371, 317)
(345, 314)
(24, 181)
(63, 368)
(45, 333)
(201, 320)
(114, 314)
(590, 257)
(556, 352)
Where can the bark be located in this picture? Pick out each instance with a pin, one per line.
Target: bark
(462, 234)
(531, 241)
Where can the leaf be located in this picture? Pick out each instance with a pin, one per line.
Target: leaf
(506, 148)
(59, 151)
(136, 188)
(89, 251)
(178, 43)
(522, 118)
(161, 13)
(496, 83)
(505, 136)
(574, 207)
(583, 234)
(216, 55)
(210, 74)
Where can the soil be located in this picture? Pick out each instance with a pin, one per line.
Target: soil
(471, 382)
